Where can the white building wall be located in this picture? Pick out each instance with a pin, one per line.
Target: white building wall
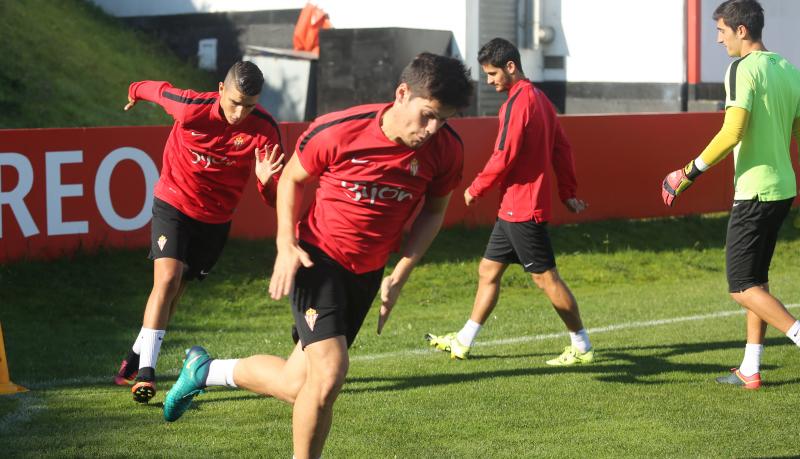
(623, 40)
(639, 41)
(779, 35)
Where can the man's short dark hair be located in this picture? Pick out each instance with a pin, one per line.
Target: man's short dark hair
(498, 52)
(438, 77)
(247, 77)
(748, 13)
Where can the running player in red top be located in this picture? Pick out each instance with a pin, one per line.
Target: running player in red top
(215, 142)
(529, 141)
(375, 163)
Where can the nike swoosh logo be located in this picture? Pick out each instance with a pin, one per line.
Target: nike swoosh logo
(195, 134)
(359, 161)
(736, 204)
(528, 264)
(194, 359)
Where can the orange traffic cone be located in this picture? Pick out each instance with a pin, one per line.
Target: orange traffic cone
(6, 386)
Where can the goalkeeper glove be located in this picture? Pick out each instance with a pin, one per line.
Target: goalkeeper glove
(676, 182)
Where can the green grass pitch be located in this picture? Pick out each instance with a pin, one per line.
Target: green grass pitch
(652, 294)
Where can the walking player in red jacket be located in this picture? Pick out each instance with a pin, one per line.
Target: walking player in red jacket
(529, 140)
(216, 139)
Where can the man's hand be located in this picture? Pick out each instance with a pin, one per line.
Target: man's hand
(269, 165)
(468, 198)
(675, 183)
(576, 205)
(131, 103)
(390, 291)
(287, 262)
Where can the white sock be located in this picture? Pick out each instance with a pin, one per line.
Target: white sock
(220, 372)
(151, 346)
(467, 334)
(580, 340)
(137, 345)
(751, 363)
(794, 332)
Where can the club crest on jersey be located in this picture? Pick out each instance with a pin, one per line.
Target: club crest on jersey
(413, 167)
(238, 142)
(162, 241)
(311, 318)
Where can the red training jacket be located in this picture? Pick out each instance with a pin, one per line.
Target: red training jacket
(207, 161)
(529, 140)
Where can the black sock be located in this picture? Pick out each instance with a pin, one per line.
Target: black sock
(132, 365)
(132, 359)
(146, 374)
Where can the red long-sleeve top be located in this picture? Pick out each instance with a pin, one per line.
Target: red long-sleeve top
(529, 140)
(207, 161)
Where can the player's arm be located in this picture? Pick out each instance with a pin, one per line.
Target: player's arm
(423, 231)
(733, 129)
(290, 256)
(507, 148)
(172, 99)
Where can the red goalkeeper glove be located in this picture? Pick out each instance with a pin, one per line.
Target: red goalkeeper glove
(676, 182)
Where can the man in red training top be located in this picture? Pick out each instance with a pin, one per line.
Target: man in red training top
(375, 164)
(215, 142)
(529, 141)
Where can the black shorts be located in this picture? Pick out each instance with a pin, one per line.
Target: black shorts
(525, 243)
(752, 233)
(174, 234)
(329, 300)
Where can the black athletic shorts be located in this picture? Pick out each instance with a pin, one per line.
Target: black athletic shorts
(752, 233)
(329, 300)
(174, 234)
(525, 243)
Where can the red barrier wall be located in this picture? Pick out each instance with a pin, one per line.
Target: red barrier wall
(620, 162)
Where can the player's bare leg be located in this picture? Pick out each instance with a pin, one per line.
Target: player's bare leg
(580, 349)
(273, 376)
(328, 363)
(561, 297)
(767, 307)
(173, 306)
(167, 285)
(490, 273)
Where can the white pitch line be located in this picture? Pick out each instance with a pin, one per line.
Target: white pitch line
(591, 331)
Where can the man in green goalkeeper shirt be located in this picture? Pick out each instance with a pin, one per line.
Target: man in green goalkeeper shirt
(762, 113)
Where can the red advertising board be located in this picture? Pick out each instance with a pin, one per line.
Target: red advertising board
(63, 190)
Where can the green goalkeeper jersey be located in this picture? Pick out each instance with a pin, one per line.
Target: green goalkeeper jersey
(768, 87)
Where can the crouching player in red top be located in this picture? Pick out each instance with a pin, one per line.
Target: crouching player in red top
(215, 141)
(375, 163)
(529, 140)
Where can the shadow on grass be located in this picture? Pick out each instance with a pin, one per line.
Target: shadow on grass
(623, 365)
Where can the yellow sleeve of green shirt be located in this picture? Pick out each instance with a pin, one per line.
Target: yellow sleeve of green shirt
(730, 135)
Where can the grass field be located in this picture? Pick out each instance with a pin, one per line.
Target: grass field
(65, 63)
(652, 293)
